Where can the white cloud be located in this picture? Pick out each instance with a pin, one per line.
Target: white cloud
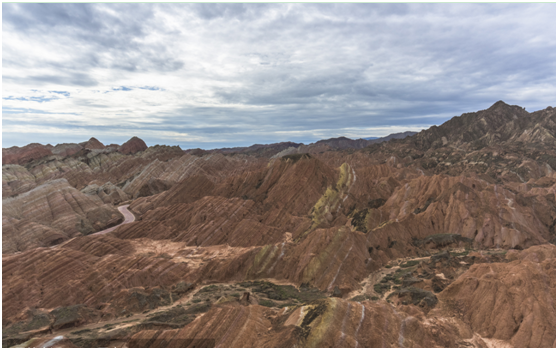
(237, 74)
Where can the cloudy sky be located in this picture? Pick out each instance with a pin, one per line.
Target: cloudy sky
(221, 75)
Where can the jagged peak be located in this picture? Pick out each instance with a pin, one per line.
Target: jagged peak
(92, 143)
(133, 145)
(499, 104)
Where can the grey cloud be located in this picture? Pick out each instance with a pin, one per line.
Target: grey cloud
(105, 31)
(300, 67)
(243, 12)
(74, 79)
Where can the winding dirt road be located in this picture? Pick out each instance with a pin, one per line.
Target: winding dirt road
(128, 217)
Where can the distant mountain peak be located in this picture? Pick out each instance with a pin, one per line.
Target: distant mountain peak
(133, 145)
(92, 143)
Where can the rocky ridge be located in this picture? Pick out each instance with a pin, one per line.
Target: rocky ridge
(438, 239)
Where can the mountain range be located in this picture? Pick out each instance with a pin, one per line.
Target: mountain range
(441, 238)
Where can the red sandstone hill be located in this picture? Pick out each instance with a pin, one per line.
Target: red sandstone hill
(93, 143)
(442, 239)
(22, 155)
(133, 145)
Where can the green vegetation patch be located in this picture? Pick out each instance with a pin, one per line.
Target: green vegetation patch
(284, 292)
(316, 309)
(208, 289)
(176, 316)
(359, 220)
(68, 316)
(267, 303)
(402, 273)
(363, 297)
(463, 253)
(416, 296)
(376, 203)
(443, 239)
(381, 288)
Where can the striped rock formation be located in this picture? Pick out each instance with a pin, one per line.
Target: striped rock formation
(444, 238)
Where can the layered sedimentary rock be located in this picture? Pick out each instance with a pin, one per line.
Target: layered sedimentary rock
(50, 214)
(82, 168)
(66, 149)
(133, 145)
(213, 166)
(514, 301)
(16, 179)
(93, 143)
(22, 155)
(254, 150)
(108, 193)
(437, 239)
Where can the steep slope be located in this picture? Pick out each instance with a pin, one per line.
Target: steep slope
(440, 239)
(93, 143)
(514, 301)
(133, 145)
(257, 150)
(22, 155)
(50, 214)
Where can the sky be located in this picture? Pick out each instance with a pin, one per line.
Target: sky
(225, 75)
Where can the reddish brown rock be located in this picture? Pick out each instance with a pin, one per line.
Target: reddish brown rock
(22, 155)
(420, 224)
(16, 179)
(133, 145)
(50, 214)
(514, 301)
(325, 323)
(93, 143)
(66, 149)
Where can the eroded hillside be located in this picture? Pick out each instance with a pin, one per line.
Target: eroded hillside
(443, 238)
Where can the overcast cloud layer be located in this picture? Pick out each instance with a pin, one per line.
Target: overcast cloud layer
(221, 75)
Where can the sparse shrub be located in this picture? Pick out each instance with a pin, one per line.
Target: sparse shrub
(210, 288)
(381, 288)
(267, 303)
(409, 263)
(464, 253)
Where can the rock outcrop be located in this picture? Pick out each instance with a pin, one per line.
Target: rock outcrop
(93, 143)
(66, 149)
(514, 301)
(133, 145)
(22, 155)
(50, 214)
(439, 239)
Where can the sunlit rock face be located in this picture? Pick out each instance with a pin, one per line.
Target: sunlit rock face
(443, 238)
